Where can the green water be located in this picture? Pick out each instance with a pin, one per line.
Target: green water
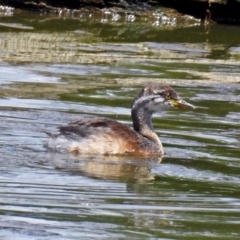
(56, 69)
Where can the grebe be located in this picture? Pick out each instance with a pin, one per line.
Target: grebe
(105, 136)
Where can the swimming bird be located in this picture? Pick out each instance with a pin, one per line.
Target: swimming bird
(100, 135)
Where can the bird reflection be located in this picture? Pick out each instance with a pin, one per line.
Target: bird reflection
(107, 167)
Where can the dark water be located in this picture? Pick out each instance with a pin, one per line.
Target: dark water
(55, 69)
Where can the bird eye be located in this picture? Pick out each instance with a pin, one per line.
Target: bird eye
(168, 96)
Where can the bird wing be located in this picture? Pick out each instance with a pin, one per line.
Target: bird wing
(100, 135)
(85, 128)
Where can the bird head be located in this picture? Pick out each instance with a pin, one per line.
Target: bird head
(154, 97)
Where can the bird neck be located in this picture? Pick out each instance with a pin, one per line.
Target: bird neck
(142, 123)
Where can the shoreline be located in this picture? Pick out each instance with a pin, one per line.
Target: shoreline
(220, 11)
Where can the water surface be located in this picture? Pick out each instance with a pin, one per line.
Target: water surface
(57, 69)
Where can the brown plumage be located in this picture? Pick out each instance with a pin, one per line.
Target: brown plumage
(106, 136)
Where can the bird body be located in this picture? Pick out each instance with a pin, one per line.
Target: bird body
(106, 136)
(101, 136)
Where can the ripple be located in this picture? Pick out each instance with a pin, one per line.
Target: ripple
(16, 25)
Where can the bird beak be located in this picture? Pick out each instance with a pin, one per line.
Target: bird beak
(180, 103)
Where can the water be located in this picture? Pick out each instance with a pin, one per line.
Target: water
(55, 70)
